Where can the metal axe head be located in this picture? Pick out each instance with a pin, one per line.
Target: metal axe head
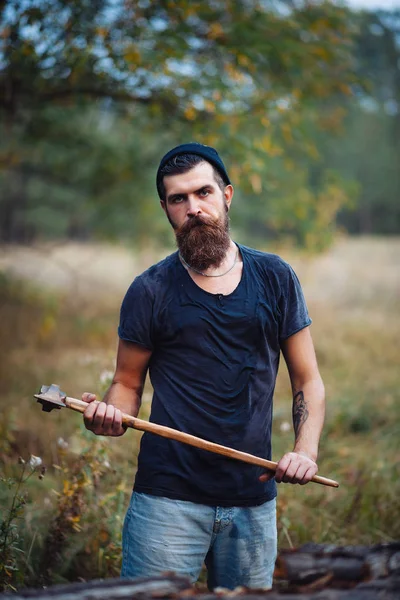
(51, 397)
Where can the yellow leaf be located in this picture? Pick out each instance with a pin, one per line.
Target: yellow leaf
(132, 55)
(287, 133)
(321, 52)
(289, 164)
(243, 60)
(344, 88)
(101, 31)
(215, 31)
(256, 183)
(190, 113)
(300, 211)
(233, 73)
(47, 327)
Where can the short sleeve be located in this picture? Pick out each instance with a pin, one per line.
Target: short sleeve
(136, 316)
(293, 313)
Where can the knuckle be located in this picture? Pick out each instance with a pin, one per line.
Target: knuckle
(87, 419)
(100, 412)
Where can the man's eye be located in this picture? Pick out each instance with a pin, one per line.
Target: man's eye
(204, 193)
(177, 199)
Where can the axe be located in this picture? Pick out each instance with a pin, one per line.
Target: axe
(51, 397)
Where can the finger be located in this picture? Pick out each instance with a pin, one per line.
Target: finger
(89, 414)
(117, 425)
(309, 474)
(291, 472)
(281, 468)
(299, 474)
(266, 476)
(88, 397)
(108, 420)
(98, 418)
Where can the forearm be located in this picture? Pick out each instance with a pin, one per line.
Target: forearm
(299, 466)
(308, 415)
(125, 398)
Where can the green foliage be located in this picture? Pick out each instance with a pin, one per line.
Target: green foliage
(10, 543)
(85, 174)
(295, 97)
(104, 88)
(369, 149)
(12, 559)
(69, 525)
(84, 534)
(178, 57)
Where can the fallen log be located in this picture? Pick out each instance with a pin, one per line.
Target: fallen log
(312, 572)
(167, 586)
(172, 587)
(338, 566)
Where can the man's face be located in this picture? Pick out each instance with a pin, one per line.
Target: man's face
(197, 210)
(195, 192)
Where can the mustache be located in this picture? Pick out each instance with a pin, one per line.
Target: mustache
(193, 223)
(196, 222)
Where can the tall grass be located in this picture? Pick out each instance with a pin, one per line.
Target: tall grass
(70, 522)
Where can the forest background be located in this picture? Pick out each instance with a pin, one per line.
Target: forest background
(302, 100)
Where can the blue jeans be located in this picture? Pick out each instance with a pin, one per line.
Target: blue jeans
(237, 544)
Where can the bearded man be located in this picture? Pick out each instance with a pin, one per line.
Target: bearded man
(209, 322)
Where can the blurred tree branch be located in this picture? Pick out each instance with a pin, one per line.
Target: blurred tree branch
(93, 91)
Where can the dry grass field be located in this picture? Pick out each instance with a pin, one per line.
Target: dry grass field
(59, 313)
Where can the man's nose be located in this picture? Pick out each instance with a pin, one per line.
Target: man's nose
(193, 206)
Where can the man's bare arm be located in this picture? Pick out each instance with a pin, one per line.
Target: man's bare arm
(124, 393)
(308, 409)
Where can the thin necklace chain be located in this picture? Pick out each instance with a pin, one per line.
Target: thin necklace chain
(206, 274)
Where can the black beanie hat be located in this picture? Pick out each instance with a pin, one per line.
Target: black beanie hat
(209, 154)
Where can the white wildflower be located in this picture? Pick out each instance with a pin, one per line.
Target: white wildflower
(285, 427)
(35, 461)
(62, 444)
(106, 464)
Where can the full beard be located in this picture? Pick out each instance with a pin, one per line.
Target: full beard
(204, 243)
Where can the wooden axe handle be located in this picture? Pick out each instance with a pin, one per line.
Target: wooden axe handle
(192, 440)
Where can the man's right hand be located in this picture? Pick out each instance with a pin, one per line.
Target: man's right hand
(102, 418)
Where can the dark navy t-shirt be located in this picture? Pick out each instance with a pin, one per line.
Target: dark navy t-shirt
(213, 369)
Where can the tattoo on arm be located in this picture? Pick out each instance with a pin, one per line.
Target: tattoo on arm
(300, 412)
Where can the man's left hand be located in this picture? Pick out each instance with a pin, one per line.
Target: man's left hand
(294, 467)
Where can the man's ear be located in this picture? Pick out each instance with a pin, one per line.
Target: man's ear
(228, 194)
(163, 206)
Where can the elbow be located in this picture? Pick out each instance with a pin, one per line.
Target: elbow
(313, 380)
